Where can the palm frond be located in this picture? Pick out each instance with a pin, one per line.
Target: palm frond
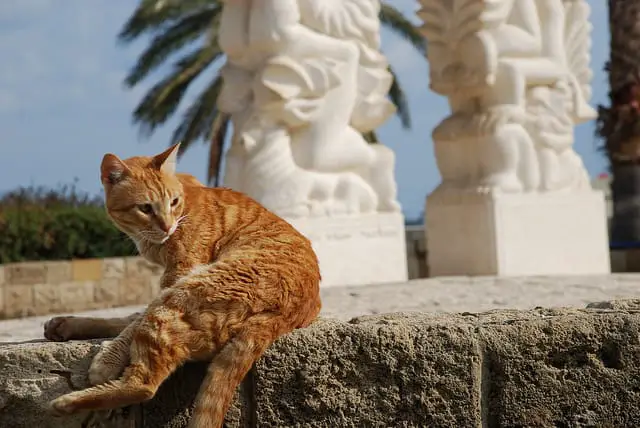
(163, 99)
(154, 15)
(399, 99)
(218, 135)
(197, 119)
(182, 32)
(393, 19)
(371, 137)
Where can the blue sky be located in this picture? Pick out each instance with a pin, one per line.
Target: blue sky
(62, 103)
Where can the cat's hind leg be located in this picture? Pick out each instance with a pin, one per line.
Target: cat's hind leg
(113, 356)
(160, 343)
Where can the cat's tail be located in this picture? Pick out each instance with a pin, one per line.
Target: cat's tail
(225, 373)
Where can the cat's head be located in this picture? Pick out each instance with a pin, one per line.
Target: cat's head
(144, 197)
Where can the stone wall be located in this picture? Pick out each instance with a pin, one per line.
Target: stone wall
(540, 368)
(40, 288)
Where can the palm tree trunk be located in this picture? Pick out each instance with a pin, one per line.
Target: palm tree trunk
(619, 124)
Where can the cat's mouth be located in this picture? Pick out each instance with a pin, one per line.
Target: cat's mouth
(167, 235)
(156, 237)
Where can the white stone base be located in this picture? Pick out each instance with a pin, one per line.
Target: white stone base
(517, 234)
(358, 250)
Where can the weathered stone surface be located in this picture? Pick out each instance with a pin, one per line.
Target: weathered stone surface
(619, 305)
(18, 300)
(46, 297)
(154, 286)
(113, 268)
(25, 273)
(86, 269)
(57, 272)
(395, 370)
(2, 276)
(34, 373)
(539, 368)
(135, 290)
(107, 291)
(173, 404)
(75, 296)
(138, 266)
(561, 368)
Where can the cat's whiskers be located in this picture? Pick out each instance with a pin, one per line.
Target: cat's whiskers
(181, 220)
(147, 236)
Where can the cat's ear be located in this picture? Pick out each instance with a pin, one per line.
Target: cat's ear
(112, 169)
(167, 160)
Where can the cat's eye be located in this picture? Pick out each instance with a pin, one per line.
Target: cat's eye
(175, 202)
(145, 208)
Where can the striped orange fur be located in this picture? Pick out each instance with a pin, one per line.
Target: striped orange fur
(236, 278)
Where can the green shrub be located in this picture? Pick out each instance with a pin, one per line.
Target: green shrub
(57, 224)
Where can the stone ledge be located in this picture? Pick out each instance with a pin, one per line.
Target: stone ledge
(48, 287)
(539, 368)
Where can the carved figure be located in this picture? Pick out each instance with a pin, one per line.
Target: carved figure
(509, 69)
(269, 164)
(313, 70)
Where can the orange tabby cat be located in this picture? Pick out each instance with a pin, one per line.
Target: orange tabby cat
(236, 278)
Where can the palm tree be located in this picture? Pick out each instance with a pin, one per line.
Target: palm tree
(175, 25)
(619, 123)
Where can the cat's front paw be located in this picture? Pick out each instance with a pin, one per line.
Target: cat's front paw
(59, 329)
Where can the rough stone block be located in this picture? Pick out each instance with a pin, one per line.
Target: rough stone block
(76, 296)
(561, 368)
(2, 276)
(35, 373)
(106, 292)
(173, 404)
(396, 370)
(618, 305)
(46, 298)
(58, 272)
(135, 290)
(113, 268)
(540, 368)
(138, 266)
(25, 273)
(87, 269)
(18, 301)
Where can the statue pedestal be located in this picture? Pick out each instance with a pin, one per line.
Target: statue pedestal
(358, 250)
(517, 234)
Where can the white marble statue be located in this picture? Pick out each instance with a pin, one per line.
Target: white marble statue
(517, 76)
(303, 80)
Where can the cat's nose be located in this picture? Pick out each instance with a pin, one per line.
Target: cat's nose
(164, 226)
